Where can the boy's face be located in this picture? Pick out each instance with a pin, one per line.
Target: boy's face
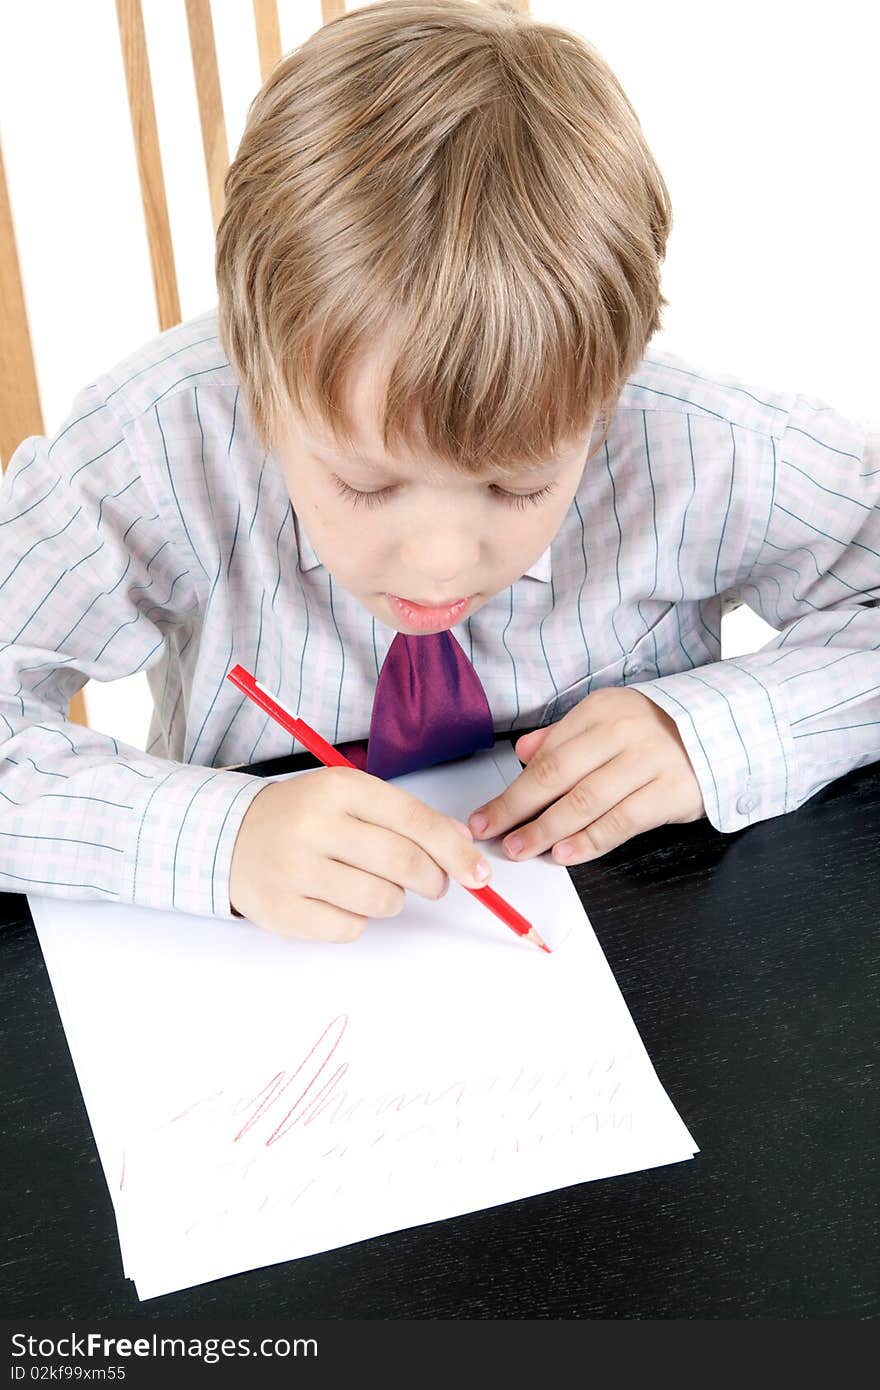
(423, 547)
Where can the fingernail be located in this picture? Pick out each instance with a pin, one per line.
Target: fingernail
(482, 870)
(463, 828)
(478, 822)
(564, 852)
(514, 844)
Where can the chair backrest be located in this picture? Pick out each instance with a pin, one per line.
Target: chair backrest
(21, 412)
(20, 409)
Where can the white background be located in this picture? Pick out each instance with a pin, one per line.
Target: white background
(763, 118)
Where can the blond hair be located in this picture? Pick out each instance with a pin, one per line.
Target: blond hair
(477, 180)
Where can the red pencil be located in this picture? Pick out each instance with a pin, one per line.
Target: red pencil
(331, 757)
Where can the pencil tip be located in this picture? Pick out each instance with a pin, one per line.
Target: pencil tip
(533, 936)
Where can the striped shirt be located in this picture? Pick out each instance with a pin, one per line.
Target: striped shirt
(154, 534)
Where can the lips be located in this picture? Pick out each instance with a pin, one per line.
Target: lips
(428, 616)
(434, 605)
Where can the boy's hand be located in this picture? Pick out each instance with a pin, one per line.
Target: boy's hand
(317, 855)
(613, 767)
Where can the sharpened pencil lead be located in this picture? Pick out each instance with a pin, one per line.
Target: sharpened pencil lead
(532, 935)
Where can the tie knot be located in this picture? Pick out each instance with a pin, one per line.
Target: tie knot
(429, 707)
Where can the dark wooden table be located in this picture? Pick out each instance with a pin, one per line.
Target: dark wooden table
(750, 965)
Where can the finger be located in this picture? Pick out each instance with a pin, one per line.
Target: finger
(552, 772)
(582, 716)
(353, 890)
(385, 856)
(369, 799)
(308, 919)
(642, 810)
(527, 745)
(579, 720)
(593, 709)
(588, 800)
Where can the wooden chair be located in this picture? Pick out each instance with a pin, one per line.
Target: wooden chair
(20, 410)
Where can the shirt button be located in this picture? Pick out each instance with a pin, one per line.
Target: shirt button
(746, 804)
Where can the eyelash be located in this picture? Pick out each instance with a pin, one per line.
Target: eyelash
(520, 500)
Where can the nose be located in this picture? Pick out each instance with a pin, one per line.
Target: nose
(442, 555)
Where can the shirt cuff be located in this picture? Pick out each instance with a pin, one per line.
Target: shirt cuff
(186, 827)
(736, 730)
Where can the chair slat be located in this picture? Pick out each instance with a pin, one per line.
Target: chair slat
(20, 413)
(207, 76)
(149, 160)
(268, 35)
(76, 710)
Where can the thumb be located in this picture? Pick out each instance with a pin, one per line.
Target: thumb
(527, 746)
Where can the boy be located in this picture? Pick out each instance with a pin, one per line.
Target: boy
(426, 404)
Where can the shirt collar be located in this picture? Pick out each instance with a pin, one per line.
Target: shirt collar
(309, 558)
(540, 569)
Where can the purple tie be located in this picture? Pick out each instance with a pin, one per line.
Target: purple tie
(429, 707)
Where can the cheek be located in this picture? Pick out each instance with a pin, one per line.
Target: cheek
(344, 538)
(560, 505)
(349, 543)
(536, 523)
(524, 539)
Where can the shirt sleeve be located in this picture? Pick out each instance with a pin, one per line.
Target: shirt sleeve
(91, 587)
(767, 730)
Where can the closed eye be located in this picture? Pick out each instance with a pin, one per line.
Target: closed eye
(361, 499)
(522, 499)
(380, 495)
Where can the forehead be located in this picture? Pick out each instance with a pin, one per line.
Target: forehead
(363, 402)
(364, 392)
(363, 397)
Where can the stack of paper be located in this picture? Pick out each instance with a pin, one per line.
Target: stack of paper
(255, 1099)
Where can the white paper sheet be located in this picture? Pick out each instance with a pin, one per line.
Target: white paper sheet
(256, 1099)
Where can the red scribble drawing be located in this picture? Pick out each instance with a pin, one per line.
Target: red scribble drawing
(280, 1082)
(122, 1174)
(314, 1106)
(312, 1090)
